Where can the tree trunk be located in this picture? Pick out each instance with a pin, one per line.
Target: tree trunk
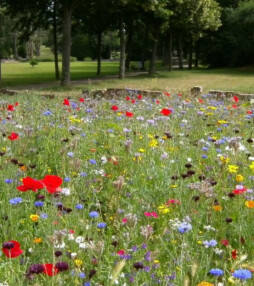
(15, 46)
(152, 68)
(66, 53)
(110, 45)
(166, 43)
(190, 54)
(129, 47)
(180, 51)
(170, 64)
(57, 74)
(143, 55)
(122, 49)
(196, 54)
(99, 53)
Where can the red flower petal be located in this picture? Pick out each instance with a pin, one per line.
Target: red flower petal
(13, 136)
(166, 111)
(114, 107)
(50, 269)
(128, 114)
(13, 252)
(30, 184)
(66, 102)
(52, 183)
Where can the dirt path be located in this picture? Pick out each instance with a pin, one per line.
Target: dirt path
(76, 82)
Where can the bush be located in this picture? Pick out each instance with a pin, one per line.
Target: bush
(33, 62)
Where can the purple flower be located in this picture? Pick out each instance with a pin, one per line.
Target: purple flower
(92, 161)
(210, 243)
(101, 225)
(39, 204)
(216, 272)
(184, 227)
(93, 214)
(242, 274)
(15, 201)
(79, 206)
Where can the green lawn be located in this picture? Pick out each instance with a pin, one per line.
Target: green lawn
(237, 79)
(15, 74)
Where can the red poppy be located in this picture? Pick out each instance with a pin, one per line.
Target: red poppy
(127, 98)
(16, 104)
(81, 100)
(121, 252)
(10, 107)
(166, 112)
(236, 99)
(157, 101)
(200, 101)
(225, 242)
(234, 254)
(66, 102)
(30, 184)
(140, 96)
(234, 106)
(128, 114)
(179, 94)
(114, 107)
(167, 93)
(52, 183)
(11, 249)
(249, 112)
(50, 269)
(239, 191)
(133, 101)
(13, 136)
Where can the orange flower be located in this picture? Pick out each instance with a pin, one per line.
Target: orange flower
(249, 204)
(204, 283)
(217, 208)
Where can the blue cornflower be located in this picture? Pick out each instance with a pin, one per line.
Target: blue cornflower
(74, 105)
(39, 204)
(205, 149)
(92, 161)
(204, 156)
(70, 154)
(83, 134)
(184, 227)
(93, 214)
(44, 216)
(67, 179)
(8, 181)
(242, 274)
(89, 110)
(82, 275)
(87, 284)
(47, 112)
(210, 243)
(83, 174)
(101, 225)
(15, 201)
(79, 206)
(216, 272)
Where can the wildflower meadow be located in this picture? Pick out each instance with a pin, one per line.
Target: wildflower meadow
(129, 190)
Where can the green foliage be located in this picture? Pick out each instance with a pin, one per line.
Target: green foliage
(33, 62)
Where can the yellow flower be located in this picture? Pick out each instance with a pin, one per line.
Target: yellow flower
(222, 122)
(209, 113)
(34, 217)
(249, 204)
(163, 209)
(72, 119)
(156, 261)
(173, 186)
(142, 150)
(232, 168)
(217, 208)
(224, 159)
(211, 107)
(37, 240)
(78, 262)
(239, 178)
(252, 166)
(153, 143)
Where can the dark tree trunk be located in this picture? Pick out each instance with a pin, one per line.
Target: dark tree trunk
(165, 61)
(152, 68)
(190, 54)
(122, 49)
(99, 53)
(66, 53)
(196, 54)
(180, 51)
(57, 74)
(129, 47)
(170, 64)
(15, 47)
